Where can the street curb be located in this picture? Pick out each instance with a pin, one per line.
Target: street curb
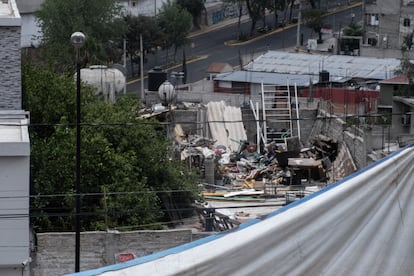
(236, 43)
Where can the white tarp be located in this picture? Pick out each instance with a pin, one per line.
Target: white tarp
(361, 225)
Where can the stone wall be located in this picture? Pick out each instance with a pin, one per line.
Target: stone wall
(55, 252)
(10, 69)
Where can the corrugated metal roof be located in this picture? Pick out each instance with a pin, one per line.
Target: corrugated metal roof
(397, 80)
(268, 78)
(337, 65)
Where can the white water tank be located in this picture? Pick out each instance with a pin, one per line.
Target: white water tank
(107, 81)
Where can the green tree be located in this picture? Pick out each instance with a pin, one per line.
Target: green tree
(313, 18)
(255, 10)
(406, 68)
(152, 36)
(194, 7)
(127, 177)
(275, 6)
(99, 20)
(175, 23)
(353, 29)
(407, 42)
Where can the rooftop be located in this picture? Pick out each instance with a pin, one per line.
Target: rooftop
(339, 66)
(268, 78)
(9, 14)
(397, 80)
(14, 134)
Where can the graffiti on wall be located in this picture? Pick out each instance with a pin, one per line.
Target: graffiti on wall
(226, 11)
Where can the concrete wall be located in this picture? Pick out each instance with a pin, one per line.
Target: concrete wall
(31, 33)
(55, 252)
(220, 11)
(14, 209)
(10, 69)
(334, 127)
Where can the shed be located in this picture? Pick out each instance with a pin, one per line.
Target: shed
(217, 68)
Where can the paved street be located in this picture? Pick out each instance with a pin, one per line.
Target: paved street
(210, 46)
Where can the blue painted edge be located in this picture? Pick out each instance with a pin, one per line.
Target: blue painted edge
(193, 244)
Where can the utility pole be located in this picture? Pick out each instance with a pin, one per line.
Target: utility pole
(125, 64)
(141, 64)
(298, 26)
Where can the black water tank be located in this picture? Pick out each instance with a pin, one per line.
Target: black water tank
(156, 77)
(323, 76)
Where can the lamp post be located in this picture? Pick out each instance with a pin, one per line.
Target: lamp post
(77, 39)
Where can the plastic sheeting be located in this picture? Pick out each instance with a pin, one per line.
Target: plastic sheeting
(361, 225)
(226, 125)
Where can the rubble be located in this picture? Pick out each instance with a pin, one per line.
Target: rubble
(269, 176)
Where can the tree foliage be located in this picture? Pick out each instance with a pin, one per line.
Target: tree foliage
(152, 36)
(407, 41)
(406, 68)
(255, 9)
(275, 7)
(239, 4)
(127, 177)
(313, 18)
(175, 23)
(99, 20)
(194, 7)
(354, 29)
(350, 44)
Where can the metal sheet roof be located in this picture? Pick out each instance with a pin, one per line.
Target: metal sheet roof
(268, 78)
(338, 66)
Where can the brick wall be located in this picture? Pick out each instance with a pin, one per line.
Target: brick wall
(10, 68)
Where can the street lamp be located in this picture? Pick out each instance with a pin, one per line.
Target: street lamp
(77, 39)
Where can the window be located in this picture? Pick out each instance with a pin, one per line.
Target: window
(372, 41)
(372, 19)
(406, 22)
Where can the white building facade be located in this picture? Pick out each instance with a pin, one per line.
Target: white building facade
(14, 150)
(388, 25)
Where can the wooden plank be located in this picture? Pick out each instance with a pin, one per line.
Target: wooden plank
(236, 198)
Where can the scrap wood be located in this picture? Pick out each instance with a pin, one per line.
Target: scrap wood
(235, 198)
(248, 184)
(249, 192)
(217, 193)
(178, 133)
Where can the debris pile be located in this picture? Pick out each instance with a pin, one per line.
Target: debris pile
(275, 174)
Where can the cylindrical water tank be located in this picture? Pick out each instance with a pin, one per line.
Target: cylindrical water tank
(323, 76)
(105, 80)
(156, 77)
